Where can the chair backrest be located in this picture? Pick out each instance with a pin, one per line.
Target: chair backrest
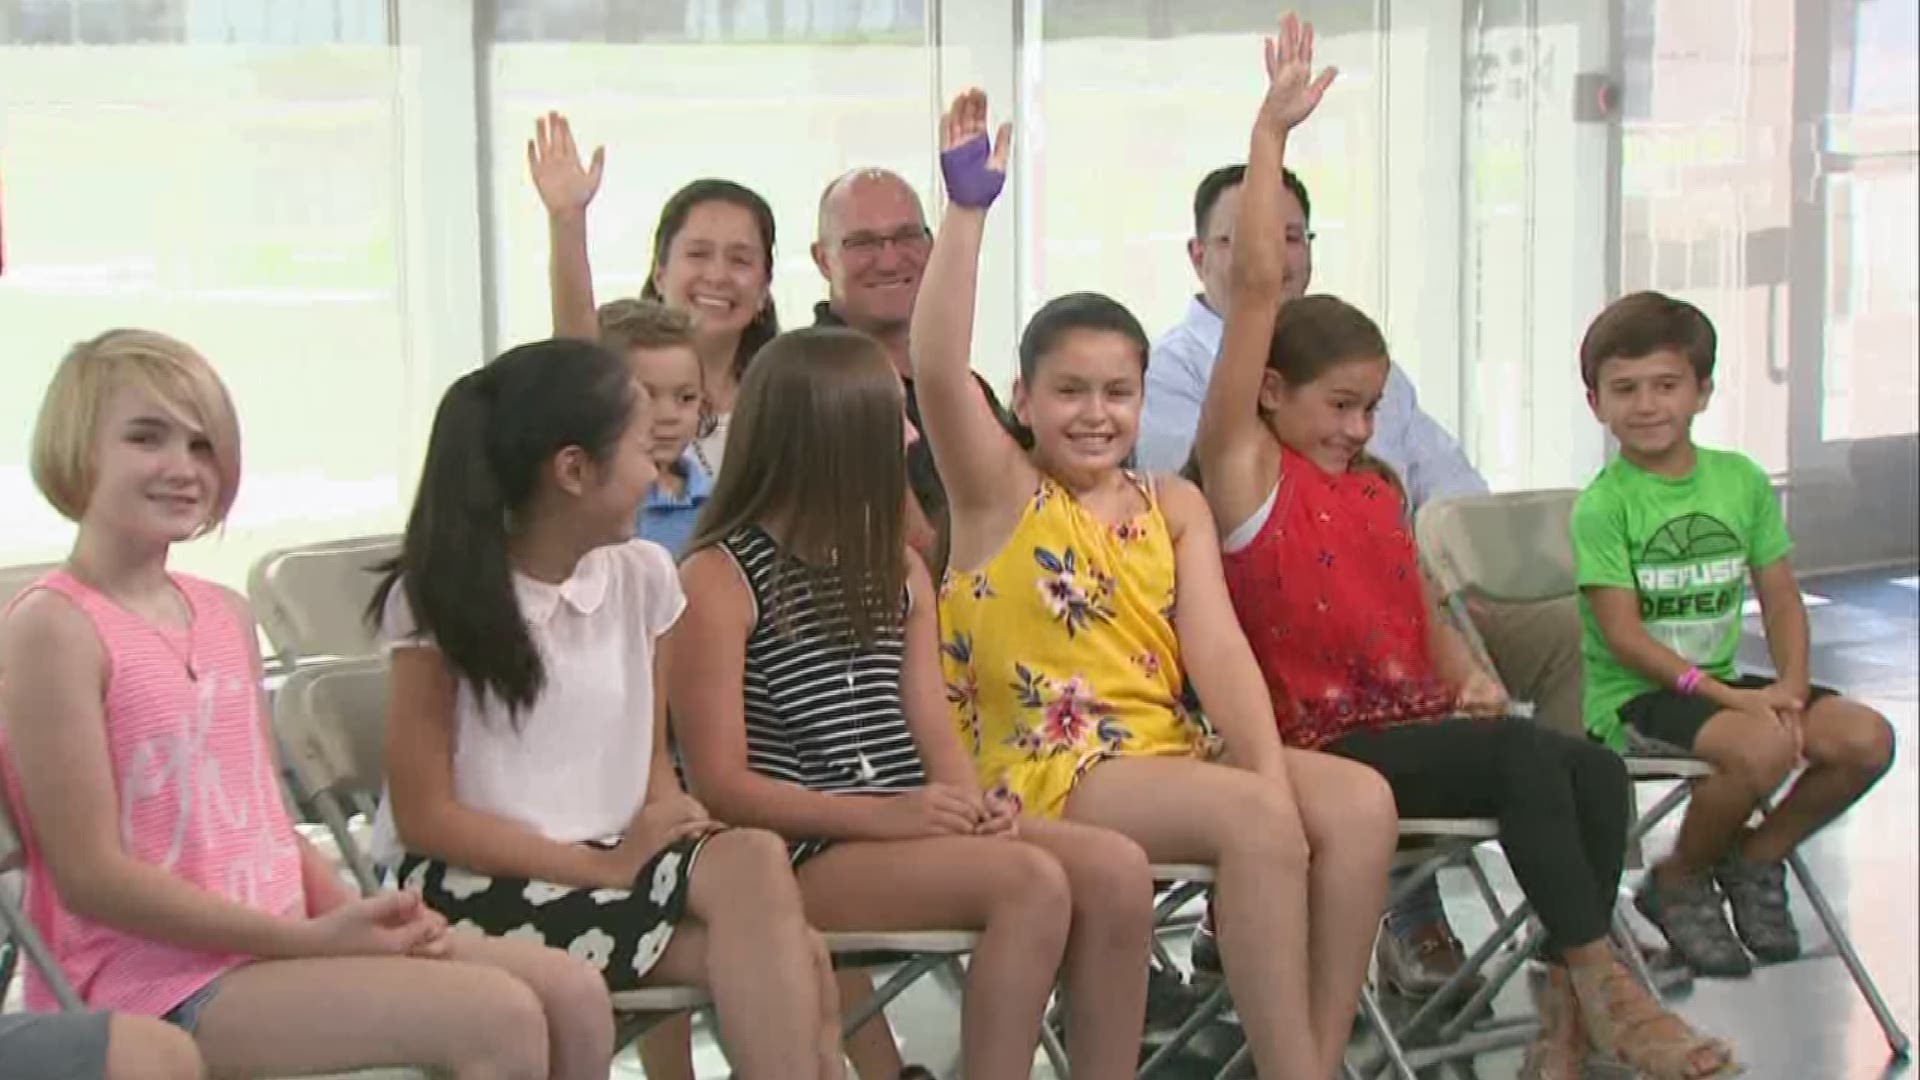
(14, 926)
(331, 719)
(312, 600)
(12, 852)
(1514, 547)
(15, 578)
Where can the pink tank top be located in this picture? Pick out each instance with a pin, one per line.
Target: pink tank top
(198, 797)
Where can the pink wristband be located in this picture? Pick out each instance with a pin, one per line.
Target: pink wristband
(1689, 680)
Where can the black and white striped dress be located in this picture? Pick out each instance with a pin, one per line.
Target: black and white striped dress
(821, 711)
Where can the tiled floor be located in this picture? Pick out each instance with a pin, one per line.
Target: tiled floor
(1801, 1021)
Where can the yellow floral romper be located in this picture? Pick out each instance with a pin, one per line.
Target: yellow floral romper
(1060, 652)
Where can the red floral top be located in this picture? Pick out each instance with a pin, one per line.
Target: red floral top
(1329, 596)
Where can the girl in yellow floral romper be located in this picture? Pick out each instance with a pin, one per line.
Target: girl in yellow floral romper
(1081, 661)
(1078, 593)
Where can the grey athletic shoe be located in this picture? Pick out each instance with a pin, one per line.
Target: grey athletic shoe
(1757, 893)
(1690, 914)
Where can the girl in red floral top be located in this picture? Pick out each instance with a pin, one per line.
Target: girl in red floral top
(1326, 582)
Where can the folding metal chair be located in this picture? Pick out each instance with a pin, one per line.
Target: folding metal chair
(1177, 884)
(17, 932)
(331, 717)
(1428, 847)
(311, 600)
(1518, 548)
(913, 954)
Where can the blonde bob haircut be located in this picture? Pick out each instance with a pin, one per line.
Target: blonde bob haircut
(66, 435)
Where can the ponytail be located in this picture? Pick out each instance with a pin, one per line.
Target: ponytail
(453, 562)
(494, 433)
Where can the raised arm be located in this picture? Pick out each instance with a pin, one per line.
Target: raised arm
(975, 455)
(1231, 439)
(566, 189)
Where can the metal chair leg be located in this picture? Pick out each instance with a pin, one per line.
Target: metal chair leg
(1842, 944)
(1396, 1057)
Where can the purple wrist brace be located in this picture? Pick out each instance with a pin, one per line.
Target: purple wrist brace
(970, 183)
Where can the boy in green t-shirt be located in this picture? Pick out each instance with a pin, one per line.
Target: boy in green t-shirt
(1664, 539)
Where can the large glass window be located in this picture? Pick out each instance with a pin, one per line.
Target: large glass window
(779, 96)
(1138, 100)
(233, 181)
(1769, 176)
(329, 198)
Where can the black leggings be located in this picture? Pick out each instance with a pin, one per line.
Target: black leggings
(1561, 802)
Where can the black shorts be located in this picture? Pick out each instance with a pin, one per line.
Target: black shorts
(1674, 718)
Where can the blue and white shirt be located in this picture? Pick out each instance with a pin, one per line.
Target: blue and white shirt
(668, 520)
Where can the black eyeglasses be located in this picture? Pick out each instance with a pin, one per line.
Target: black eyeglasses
(1293, 237)
(868, 245)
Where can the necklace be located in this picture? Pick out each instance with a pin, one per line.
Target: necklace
(157, 628)
(185, 659)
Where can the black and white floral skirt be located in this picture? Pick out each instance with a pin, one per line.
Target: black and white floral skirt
(622, 932)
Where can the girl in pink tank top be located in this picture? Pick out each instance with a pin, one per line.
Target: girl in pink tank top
(161, 865)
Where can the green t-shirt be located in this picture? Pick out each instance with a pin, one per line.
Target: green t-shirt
(1687, 547)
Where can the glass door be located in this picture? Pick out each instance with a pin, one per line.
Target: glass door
(1768, 175)
(1855, 286)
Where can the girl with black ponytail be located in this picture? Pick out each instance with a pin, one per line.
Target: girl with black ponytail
(531, 792)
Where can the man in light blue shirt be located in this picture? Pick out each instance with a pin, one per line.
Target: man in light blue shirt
(1428, 460)
(1535, 647)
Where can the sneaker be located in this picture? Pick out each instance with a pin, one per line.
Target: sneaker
(1757, 893)
(1418, 965)
(1690, 914)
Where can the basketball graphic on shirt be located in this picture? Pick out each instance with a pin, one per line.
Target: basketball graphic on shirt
(1695, 536)
(1691, 575)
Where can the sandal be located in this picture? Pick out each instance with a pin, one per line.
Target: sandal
(1627, 1024)
(1560, 1051)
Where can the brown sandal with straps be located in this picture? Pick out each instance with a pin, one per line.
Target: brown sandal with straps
(1627, 1024)
(1560, 1050)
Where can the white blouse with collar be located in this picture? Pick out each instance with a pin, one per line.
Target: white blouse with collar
(573, 766)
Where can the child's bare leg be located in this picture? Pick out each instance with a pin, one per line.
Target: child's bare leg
(872, 1048)
(1014, 894)
(572, 994)
(1108, 946)
(666, 1050)
(747, 941)
(1182, 810)
(1348, 813)
(832, 1063)
(1848, 748)
(143, 1048)
(1750, 756)
(294, 1017)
